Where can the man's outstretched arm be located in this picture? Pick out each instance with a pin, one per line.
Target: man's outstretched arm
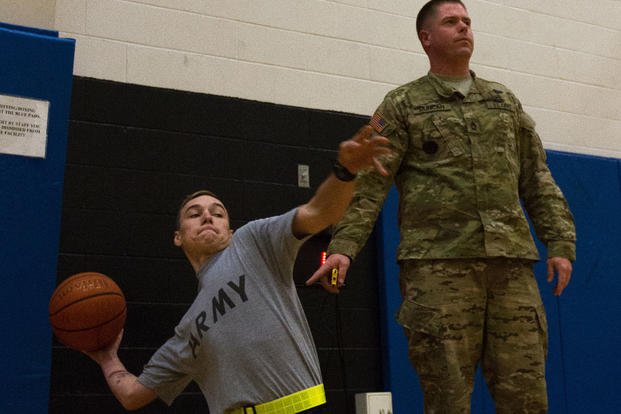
(333, 196)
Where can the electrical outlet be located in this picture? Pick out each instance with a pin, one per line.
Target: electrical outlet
(303, 176)
(374, 403)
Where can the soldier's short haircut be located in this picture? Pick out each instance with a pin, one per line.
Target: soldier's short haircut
(429, 10)
(189, 197)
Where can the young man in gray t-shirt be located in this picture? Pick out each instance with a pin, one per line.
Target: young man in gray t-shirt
(245, 340)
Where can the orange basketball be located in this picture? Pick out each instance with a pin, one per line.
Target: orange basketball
(87, 311)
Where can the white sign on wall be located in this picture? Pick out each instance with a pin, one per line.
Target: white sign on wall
(23, 126)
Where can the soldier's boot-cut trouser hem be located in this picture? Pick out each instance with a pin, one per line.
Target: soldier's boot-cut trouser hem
(459, 313)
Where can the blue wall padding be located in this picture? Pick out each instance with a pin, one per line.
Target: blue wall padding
(584, 323)
(36, 64)
(400, 378)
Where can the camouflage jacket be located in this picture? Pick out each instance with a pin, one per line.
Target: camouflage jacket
(462, 166)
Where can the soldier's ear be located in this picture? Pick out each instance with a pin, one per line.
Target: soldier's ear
(425, 38)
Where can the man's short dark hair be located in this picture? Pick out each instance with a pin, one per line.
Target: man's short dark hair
(429, 10)
(189, 197)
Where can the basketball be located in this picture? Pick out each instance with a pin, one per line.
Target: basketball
(87, 311)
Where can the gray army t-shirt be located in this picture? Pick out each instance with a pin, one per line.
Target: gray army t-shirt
(245, 339)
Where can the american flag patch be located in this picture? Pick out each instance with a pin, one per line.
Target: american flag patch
(378, 122)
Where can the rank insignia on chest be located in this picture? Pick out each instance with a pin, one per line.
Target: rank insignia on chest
(378, 122)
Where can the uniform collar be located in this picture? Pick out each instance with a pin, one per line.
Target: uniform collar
(478, 91)
(445, 90)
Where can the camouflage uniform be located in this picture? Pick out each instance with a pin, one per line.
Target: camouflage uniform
(462, 165)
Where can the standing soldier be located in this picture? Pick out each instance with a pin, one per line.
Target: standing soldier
(465, 156)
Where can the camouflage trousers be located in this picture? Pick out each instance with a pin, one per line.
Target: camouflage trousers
(460, 313)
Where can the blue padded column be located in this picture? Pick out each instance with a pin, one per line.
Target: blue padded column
(589, 312)
(36, 65)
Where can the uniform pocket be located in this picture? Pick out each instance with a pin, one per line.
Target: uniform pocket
(542, 322)
(417, 318)
(436, 137)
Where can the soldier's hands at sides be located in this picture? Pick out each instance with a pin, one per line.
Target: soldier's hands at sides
(562, 268)
(322, 275)
(364, 150)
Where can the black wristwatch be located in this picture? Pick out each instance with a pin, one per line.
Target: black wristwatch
(341, 172)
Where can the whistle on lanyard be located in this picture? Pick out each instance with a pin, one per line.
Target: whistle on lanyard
(334, 277)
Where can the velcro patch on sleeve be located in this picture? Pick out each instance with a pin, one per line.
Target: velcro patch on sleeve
(378, 122)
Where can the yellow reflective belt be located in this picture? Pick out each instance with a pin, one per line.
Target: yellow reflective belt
(289, 404)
